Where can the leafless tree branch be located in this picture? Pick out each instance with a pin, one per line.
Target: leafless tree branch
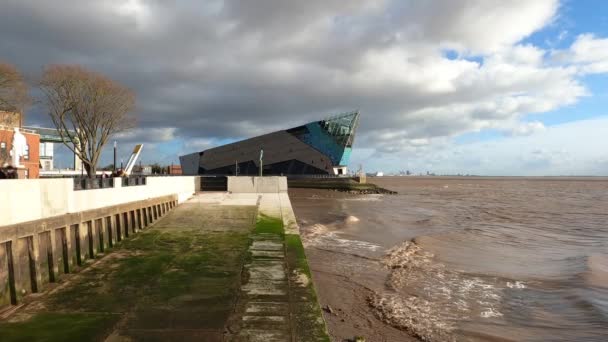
(13, 89)
(86, 108)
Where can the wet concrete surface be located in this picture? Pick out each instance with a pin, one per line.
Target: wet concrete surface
(177, 280)
(216, 268)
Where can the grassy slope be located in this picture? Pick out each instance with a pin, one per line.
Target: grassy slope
(188, 278)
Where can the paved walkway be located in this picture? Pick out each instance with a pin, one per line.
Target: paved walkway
(219, 267)
(277, 300)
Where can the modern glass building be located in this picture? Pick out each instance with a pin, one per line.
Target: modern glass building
(319, 147)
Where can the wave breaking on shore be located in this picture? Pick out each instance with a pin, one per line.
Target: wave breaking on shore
(428, 299)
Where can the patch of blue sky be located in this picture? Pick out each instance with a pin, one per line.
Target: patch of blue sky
(450, 54)
(454, 55)
(575, 17)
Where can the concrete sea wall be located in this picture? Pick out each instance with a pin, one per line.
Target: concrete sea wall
(250, 184)
(33, 199)
(47, 229)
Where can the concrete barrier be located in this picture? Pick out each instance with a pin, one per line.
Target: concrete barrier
(38, 252)
(48, 229)
(34, 199)
(250, 184)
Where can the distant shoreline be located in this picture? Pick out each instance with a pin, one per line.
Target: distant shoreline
(565, 178)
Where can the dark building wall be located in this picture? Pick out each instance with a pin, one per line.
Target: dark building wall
(318, 147)
(279, 147)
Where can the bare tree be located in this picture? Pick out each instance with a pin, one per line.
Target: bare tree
(86, 108)
(13, 90)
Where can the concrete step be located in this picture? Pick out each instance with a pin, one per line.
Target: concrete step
(267, 245)
(266, 288)
(263, 335)
(266, 270)
(267, 308)
(267, 236)
(261, 254)
(264, 320)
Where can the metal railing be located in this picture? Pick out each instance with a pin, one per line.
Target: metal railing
(85, 183)
(324, 176)
(133, 181)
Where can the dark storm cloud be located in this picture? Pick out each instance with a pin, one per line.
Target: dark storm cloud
(230, 69)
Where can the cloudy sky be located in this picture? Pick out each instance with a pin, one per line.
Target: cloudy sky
(489, 87)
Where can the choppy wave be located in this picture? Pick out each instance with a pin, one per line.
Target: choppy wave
(514, 258)
(321, 236)
(428, 299)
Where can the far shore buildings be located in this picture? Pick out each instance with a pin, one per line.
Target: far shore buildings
(31, 159)
(38, 160)
(320, 148)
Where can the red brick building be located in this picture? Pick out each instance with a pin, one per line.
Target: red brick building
(31, 160)
(174, 170)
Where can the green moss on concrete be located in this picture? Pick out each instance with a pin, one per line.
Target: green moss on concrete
(158, 267)
(309, 323)
(176, 275)
(5, 295)
(50, 327)
(306, 315)
(269, 225)
(295, 248)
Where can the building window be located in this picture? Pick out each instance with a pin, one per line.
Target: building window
(26, 156)
(2, 145)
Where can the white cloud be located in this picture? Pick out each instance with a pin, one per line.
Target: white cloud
(200, 144)
(575, 148)
(219, 70)
(588, 53)
(160, 134)
(528, 128)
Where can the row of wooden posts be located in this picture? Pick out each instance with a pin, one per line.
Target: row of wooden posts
(43, 255)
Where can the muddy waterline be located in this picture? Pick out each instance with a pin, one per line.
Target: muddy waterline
(469, 258)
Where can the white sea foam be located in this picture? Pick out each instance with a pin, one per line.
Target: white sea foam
(320, 235)
(516, 285)
(490, 312)
(352, 219)
(429, 298)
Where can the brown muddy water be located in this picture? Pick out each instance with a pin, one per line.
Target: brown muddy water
(463, 259)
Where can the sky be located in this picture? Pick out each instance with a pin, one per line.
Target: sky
(487, 87)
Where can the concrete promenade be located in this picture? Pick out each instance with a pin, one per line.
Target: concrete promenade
(219, 267)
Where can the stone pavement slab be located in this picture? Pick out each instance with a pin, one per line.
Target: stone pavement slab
(218, 267)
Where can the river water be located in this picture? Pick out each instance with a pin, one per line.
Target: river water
(468, 259)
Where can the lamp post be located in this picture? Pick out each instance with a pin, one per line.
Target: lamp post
(114, 157)
(261, 161)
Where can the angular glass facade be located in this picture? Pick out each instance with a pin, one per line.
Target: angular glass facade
(333, 136)
(319, 147)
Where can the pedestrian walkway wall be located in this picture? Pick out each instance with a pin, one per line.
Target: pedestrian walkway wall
(248, 184)
(34, 199)
(48, 229)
